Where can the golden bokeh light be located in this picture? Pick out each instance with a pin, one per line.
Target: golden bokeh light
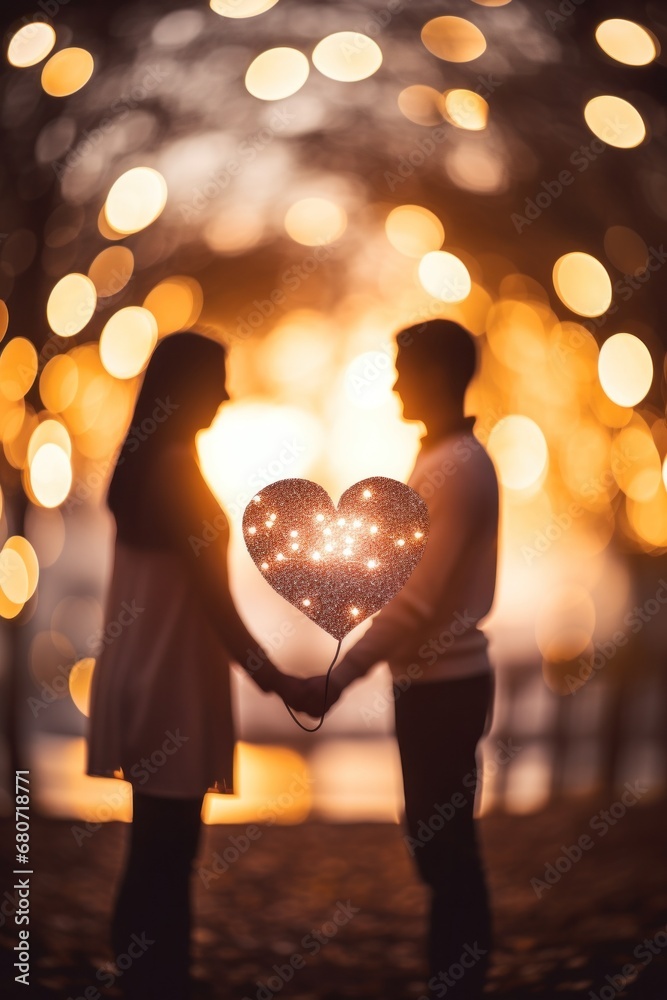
(625, 369)
(277, 73)
(241, 8)
(466, 109)
(100, 406)
(473, 311)
(8, 609)
(315, 221)
(111, 270)
(50, 475)
(649, 519)
(473, 167)
(4, 318)
(516, 335)
(565, 623)
(17, 437)
(17, 424)
(573, 352)
(18, 368)
(106, 230)
(635, 461)
(607, 412)
(584, 465)
(453, 38)
(519, 450)
(49, 431)
(71, 304)
(46, 529)
(176, 303)
(31, 44)
(23, 549)
(369, 379)
(240, 452)
(135, 199)
(414, 230)
(582, 283)
(80, 679)
(297, 355)
(421, 105)
(67, 71)
(127, 341)
(268, 776)
(58, 383)
(14, 580)
(236, 229)
(347, 56)
(444, 276)
(627, 41)
(615, 121)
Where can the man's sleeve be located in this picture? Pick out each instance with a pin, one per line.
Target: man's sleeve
(451, 522)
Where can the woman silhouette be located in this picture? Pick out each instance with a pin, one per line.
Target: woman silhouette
(161, 714)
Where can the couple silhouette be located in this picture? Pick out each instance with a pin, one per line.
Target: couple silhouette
(161, 710)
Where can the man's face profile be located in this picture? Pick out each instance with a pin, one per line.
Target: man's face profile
(418, 389)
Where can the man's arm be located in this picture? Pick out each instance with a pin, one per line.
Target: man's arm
(452, 518)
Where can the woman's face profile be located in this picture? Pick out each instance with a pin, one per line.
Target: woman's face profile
(208, 398)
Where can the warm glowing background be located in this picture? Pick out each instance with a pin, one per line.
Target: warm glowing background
(300, 187)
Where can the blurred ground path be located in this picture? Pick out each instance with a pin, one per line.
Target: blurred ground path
(287, 883)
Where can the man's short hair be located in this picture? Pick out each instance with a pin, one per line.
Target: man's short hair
(440, 344)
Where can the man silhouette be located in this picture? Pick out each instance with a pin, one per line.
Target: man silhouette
(433, 623)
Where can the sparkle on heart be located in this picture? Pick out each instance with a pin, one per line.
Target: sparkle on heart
(336, 565)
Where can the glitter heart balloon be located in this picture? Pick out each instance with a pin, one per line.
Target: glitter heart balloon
(336, 565)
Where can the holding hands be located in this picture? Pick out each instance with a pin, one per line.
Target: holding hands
(312, 695)
(307, 694)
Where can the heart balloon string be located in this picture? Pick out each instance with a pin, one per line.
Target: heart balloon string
(337, 565)
(313, 729)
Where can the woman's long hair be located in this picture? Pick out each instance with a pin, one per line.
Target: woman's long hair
(183, 386)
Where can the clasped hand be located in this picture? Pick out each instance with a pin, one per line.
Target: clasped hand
(306, 694)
